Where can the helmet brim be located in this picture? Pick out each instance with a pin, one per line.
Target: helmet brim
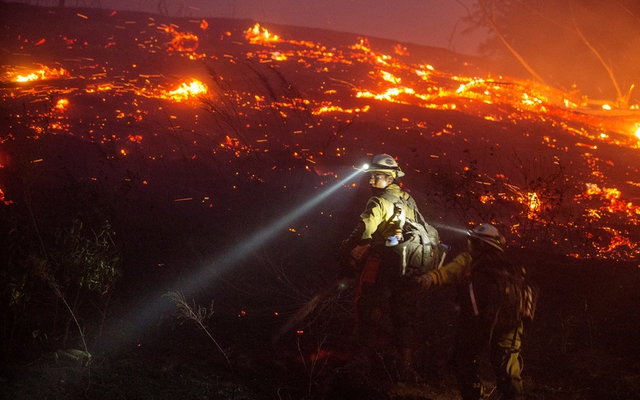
(396, 173)
(485, 239)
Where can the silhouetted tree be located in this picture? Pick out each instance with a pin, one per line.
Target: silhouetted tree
(592, 44)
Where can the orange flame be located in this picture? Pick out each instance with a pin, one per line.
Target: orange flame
(534, 202)
(259, 35)
(186, 91)
(615, 204)
(62, 104)
(42, 74)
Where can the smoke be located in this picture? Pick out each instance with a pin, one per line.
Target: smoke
(427, 23)
(589, 47)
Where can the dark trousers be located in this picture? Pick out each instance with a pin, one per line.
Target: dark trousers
(382, 292)
(504, 354)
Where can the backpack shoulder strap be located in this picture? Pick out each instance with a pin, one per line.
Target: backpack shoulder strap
(408, 202)
(391, 197)
(411, 203)
(397, 201)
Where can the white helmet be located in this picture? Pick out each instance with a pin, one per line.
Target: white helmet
(490, 235)
(385, 163)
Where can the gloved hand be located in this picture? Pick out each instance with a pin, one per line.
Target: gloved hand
(424, 281)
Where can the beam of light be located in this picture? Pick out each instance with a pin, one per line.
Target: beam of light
(221, 265)
(148, 314)
(451, 228)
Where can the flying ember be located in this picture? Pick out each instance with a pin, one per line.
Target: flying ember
(517, 149)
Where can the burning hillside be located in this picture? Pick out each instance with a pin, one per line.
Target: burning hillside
(146, 90)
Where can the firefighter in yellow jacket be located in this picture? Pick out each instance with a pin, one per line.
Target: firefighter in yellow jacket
(381, 286)
(478, 319)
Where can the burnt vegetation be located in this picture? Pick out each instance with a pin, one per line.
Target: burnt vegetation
(153, 245)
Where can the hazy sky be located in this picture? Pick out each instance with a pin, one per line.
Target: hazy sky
(428, 22)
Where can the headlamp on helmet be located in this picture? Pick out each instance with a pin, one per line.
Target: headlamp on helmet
(489, 234)
(386, 164)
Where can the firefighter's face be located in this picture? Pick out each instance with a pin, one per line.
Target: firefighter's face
(380, 180)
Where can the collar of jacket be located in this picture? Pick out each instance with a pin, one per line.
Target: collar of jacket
(393, 188)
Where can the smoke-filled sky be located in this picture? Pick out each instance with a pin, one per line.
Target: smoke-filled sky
(427, 22)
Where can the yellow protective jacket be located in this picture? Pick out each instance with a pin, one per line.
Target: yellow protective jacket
(377, 219)
(454, 272)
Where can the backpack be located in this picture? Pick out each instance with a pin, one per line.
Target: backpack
(420, 249)
(501, 294)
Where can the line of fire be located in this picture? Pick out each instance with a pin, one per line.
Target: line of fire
(157, 90)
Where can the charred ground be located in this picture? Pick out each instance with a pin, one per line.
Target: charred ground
(183, 213)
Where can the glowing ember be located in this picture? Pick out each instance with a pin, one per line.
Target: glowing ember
(390, 77)
(401, 50)
(62, 104)
(301, 96)
(612, 196)
(181, 41)
(2, 199)
(136, 138)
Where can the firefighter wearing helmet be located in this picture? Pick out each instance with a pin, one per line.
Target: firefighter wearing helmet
(387, 164)
(377, 286)
(476, 292)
